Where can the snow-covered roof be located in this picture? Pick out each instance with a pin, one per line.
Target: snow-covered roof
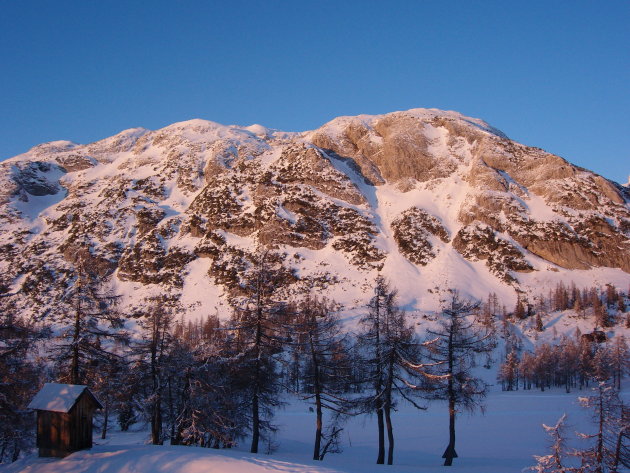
(58, 397)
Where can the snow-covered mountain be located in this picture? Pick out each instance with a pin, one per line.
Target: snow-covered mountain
(429, 198)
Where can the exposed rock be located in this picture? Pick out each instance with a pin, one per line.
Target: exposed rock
(148, 218)
(34, 178)
(149, 262)
(480, 242)
(301, 164)
(412, 232)
(75, 162)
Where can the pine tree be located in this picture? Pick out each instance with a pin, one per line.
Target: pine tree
(527, 369)
(206, 400)
(486, 316)
(568, 362)
(371, 341)
(602, 319)
(405, 374)
(544, 365)
(612, 296)
(107, 382)
(577, 305)
(457, 343)
(601, 364)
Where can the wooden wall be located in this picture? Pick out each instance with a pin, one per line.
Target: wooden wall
(59, 434)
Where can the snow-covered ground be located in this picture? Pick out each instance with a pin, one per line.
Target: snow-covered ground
(502, 440)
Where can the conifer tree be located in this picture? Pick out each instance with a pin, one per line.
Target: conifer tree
(619, 359)
(458, 342)
(372, 343)
(602, 318)
(92, 318)
(577, 305)
(19, 381)
(392, 365)
(621, 305)
(508, 372)
(258, 315)
(319, 339)
(553, 462)
(155, 322)
(207, 404)
(519, 309)
(606, 451)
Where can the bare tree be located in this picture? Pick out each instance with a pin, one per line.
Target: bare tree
(553, 462)
(258, 313)
(92, 317)
(155, 322)
(19, 381)
(458, 342)
(393, 365)
(609, 444)
(318, 338)
(371, 341)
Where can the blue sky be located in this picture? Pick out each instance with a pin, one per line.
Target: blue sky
(553, 74)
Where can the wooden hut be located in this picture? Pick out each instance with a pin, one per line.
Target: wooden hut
(64, 418)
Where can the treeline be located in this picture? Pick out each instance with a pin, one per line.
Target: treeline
(606, 304)
(570, 363)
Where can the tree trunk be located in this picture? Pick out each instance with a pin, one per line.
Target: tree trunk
(378, 386)
(175, 438)
(318, 429)
(617, 456)
(74, 368)
(105, 419)
(600, 431)
(390, 436)
(156, 415)
(388, 409)
(318, 403)
(255, 424)
(16, 451)
(381, 436)
(450, 452)
(156, 422)
(255, 398)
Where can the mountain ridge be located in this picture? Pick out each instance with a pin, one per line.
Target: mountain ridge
(427, 197)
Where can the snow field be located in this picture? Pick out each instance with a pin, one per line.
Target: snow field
(502, 440)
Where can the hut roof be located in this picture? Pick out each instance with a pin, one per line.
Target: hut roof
(59, 397)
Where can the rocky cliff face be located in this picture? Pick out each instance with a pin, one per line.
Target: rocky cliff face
(425, 196)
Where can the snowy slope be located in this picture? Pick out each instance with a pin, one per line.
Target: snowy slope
(173, 210)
